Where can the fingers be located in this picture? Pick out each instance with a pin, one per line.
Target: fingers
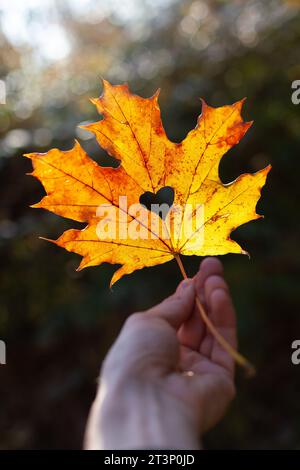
(177, 308)
(222, 313)
(181, 313)
(193, 330)
(210, 266)
(212, 283)
(148, 342)
(219, 302)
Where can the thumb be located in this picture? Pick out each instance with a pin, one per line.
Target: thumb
(177, 308)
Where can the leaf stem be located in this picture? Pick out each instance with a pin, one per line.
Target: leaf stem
(239, 358)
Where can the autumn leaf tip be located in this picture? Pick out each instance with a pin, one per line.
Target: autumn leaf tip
(35, 206)
(113, 280)
(48, 240)
(117, 276)
(244, 252)
(29, 155)
(156, 94)
(268, 168)
(76, 144)
(240, 103)
(105, 82)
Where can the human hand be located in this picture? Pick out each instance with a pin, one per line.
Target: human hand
(166, 380)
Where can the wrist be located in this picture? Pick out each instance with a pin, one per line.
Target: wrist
(137, 415)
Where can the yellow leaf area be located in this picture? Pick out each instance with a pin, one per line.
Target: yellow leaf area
(131, 131)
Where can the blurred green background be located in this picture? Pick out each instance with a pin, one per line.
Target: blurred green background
(58, 324)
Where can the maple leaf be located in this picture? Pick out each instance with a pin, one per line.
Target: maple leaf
(131, 131)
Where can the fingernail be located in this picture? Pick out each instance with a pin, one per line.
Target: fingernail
(184, 284)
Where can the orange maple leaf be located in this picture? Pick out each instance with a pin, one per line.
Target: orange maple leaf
(131, 131)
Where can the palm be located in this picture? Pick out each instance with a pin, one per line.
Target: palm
(205, 368)
(198, 363)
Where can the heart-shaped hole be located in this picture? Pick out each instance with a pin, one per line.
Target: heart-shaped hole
(159, 202)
